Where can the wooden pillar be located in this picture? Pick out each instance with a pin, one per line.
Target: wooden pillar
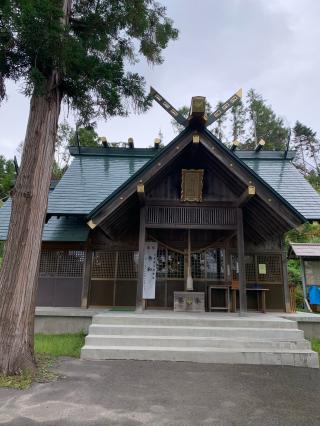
(304, 283)
(142, 237)
(285, 277)
(86, 279)
(242, 271)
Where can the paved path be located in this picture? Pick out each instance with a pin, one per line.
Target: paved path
(162, 393)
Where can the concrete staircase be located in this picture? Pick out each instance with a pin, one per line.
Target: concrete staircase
(206, 338)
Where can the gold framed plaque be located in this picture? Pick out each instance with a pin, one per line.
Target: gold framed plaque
(191, 185)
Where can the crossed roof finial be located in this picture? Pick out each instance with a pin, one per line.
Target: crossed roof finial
(197, 110)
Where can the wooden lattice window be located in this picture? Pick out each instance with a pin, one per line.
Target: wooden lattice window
(264, 268)
(269, 268)
(127, 265)
(62, 263)
(115, 265)
(104, 265)
(250, 267)
(191, 185)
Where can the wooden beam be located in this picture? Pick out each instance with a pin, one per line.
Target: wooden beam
(224, 107)
(168, 107)
(260, 145)
(186, 226)
(86, 279)
(142, 237)
(246, 196)
(234, 145)
(91, 224)
(285, 276)
(141, 194)
(177, 203)
(242, 270)
(195, 138)
(304, 283)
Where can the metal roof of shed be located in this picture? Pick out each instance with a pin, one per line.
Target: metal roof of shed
(306, 249)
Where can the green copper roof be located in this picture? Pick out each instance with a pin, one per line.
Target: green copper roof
(285, 179)
(97, 173)
(90, 179)
(62, 229)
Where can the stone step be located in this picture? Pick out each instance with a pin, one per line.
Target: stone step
(299, 358)
(194, 342)
(203, 320)
(227, 332)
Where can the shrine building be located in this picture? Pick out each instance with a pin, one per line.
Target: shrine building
(191, 225)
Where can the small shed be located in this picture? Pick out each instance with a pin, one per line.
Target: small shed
(309, 255)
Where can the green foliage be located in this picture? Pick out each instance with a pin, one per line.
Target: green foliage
(294, 278)
(238, 120)
(219, 125)
(88, 54)
(299, 298)
(7, 176)
(314, 179)
(294, 275)
(59, 344)
(66, 137)
(86, 137)
(307, 148)
(315, 345)
(306, 233)
(265, 124)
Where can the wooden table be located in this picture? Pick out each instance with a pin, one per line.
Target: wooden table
(226, 289)
(259, 291)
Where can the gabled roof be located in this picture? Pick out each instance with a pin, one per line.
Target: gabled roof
(218, 151)
(97, 174)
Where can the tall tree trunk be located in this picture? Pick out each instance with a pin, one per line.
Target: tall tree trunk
(19, 274)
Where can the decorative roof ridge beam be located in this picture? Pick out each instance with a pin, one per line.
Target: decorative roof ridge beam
(141, 194)
(130, 143)
(234, 145)
(197, 112)
(260, 145)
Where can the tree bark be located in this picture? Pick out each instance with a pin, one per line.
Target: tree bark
(19, 274)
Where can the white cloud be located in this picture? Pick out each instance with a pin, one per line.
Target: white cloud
(269, 45)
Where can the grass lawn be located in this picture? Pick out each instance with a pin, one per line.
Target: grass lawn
(59, 344)
(47, 347)
(315, 345)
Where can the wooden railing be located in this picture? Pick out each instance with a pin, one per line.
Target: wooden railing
(159, 215)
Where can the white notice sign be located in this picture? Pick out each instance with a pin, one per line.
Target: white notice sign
(150, 270)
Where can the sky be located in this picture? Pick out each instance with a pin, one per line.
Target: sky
(272, 46)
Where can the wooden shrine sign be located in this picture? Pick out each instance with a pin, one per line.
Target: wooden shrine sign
(150, 270)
